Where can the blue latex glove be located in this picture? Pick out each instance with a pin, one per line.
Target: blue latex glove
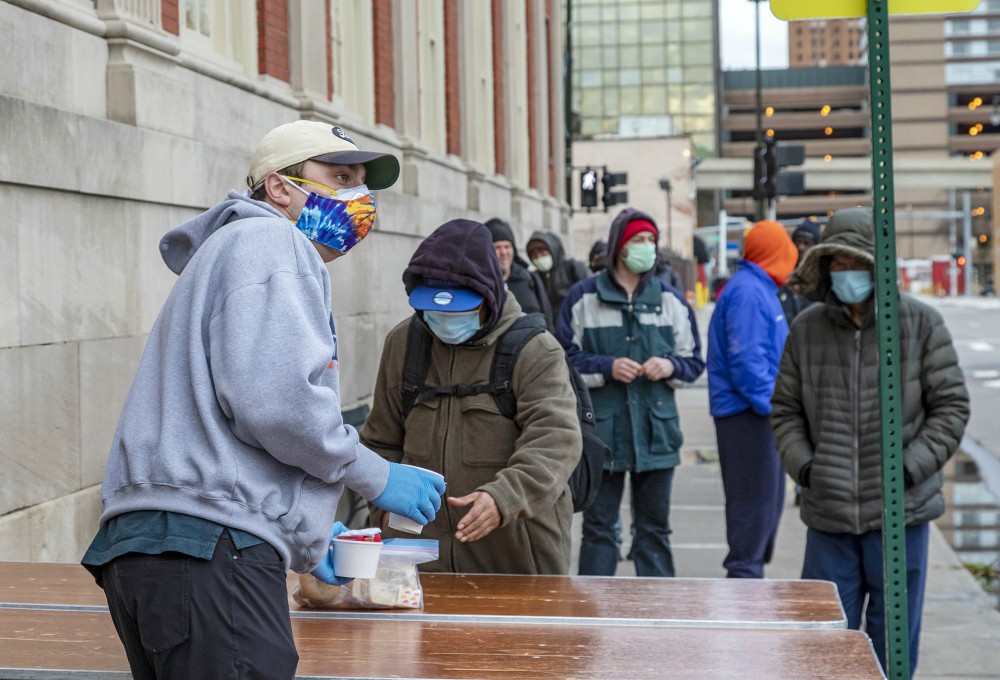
(412, 492)
(324, 571)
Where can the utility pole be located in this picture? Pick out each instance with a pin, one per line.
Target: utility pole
(568, 103)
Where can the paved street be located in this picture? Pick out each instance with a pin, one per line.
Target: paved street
(961, 632)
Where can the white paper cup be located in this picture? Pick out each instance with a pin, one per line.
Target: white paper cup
(404, 523)
(355, 559)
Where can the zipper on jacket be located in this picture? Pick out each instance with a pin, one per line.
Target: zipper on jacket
(444, 458)
(857, 431)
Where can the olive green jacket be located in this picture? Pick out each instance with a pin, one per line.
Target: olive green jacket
(523, 464)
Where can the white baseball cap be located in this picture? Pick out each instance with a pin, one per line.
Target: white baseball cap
(305, 140)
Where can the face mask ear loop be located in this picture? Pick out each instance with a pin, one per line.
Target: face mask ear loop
(294, 184)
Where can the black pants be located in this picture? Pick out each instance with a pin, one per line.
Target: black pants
(754, 484)
(183, 617)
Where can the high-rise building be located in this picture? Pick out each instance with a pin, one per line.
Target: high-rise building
(644, 68)
(825, 42)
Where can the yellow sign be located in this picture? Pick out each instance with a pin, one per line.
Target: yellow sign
(822, 9)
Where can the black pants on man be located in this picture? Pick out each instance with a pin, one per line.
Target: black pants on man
(754, 484)
(183, 617)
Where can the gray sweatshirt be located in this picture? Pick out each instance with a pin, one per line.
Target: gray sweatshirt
(234, 414)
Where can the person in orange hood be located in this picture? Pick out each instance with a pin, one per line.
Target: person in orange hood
(745, 339)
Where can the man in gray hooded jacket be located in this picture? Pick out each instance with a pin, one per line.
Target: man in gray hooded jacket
(231, 452)
(827, 425)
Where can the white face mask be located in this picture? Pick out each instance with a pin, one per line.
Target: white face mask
(453, 328)
(543, 263)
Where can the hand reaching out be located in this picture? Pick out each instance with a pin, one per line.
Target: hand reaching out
(482, 517)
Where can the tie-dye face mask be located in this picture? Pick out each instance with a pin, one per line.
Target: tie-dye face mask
(339, 222)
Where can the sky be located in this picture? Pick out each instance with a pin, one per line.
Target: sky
(736, 28)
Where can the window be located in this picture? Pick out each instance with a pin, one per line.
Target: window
(224, 31)
(353, 59)
(430, 41)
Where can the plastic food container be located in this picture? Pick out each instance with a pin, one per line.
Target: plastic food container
(355, 559)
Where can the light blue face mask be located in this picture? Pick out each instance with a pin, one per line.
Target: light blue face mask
(453, 328)
(640, 257)
(852, 286)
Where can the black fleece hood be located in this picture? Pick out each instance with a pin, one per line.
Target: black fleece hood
(461, 252)
(502, 232)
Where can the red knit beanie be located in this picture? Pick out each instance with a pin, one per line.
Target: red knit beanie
(632, 228)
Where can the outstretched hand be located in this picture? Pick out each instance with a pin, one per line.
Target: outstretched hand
(482, 517)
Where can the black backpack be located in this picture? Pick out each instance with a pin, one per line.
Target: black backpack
(586, 477)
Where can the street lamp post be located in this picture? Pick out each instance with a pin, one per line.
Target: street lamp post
(665, 185)
(759, 134)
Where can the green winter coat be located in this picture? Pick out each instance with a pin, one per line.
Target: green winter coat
(524, 464)
(826, 398)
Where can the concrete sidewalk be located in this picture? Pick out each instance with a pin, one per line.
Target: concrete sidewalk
(961, 631)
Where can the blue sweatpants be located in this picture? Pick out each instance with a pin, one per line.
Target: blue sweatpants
(754, 484)
(854, 563)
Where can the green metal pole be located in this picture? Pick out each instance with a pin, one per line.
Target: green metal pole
(887, 323)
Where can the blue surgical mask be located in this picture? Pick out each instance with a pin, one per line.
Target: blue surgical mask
(852, 286)
(339, 222)
(453, 328)
(640, 257)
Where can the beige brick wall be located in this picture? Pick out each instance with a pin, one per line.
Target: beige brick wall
(106, 146)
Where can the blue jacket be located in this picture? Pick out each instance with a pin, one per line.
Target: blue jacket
(597, 324)
(745, 339)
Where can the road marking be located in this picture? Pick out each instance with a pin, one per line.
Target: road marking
(985, 375)
(976, 346)
(992, 383)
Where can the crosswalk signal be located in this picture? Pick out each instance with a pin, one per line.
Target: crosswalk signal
(588, 188)
(610, 180)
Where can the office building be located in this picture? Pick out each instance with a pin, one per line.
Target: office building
(645, 68)
(825, 42)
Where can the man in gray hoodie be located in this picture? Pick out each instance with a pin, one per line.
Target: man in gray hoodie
(231, 452)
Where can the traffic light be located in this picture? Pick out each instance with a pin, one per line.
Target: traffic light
(760, 176)
(610, 180)
(778, 156)
(984, 241)
(769, 180)
(588, 188)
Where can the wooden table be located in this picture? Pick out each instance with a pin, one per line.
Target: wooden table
(576, 600)
(44, 644)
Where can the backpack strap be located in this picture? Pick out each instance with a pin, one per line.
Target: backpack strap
(509, 347)
(416, 363)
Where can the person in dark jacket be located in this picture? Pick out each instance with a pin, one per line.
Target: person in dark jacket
(634, 339)
(558, 272)
(598, 253)
(525, 285)
(509, 510)
(745, 338)
(827, 423)
(805, 236)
